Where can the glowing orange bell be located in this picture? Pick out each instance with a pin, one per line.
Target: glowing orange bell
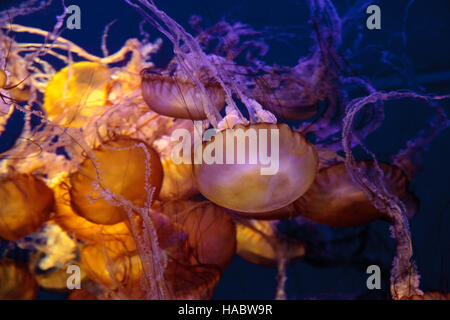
(240, 179)
(178, 98)
(123, 164)
(334, 199)
(26, 203)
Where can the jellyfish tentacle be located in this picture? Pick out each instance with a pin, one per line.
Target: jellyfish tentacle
(404, 274)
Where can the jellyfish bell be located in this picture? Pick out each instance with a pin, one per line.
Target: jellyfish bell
(17, 283)
(211, 231)
(335, 200)
(127, 169)
(27, 203)
(115, 266)
(258, 243)
(240, 180)
(76, 93)
(81, 228)
(118, 267)
(179, 98)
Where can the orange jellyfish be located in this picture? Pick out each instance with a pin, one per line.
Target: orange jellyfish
(127, 169)
(210, 228)
(334, 199)
(117, 266)
(76, 92)
(253, 184)
(179, 98)
(81, 228)
(16, 282)
(26, 203)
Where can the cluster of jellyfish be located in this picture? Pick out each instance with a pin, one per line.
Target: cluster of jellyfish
(90, 180)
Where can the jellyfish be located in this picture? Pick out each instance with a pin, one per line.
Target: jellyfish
(210, 228)
(171, 96)
(335, 200)
(75, 93)
(242, 186)
(26, 204)
(129, 182)
(117, 266)
(81, 228)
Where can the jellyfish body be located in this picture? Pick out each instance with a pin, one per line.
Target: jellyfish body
(81, 228)
(178, 98)
(76, 92)
(242, 186)
(26, 204)
(334, 199)
(123, 165)
(118, 268)
(17, 283)
(211, 231)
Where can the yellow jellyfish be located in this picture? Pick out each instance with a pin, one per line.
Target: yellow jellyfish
(257, 187)
(123, 164)
(210, 230)
(26, 203)
(117, 266)
(76, 92)
(334, 199)
(179, 98)
(16, 282)
(81, 228)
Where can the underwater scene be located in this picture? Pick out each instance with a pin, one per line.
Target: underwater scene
(224, 150)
